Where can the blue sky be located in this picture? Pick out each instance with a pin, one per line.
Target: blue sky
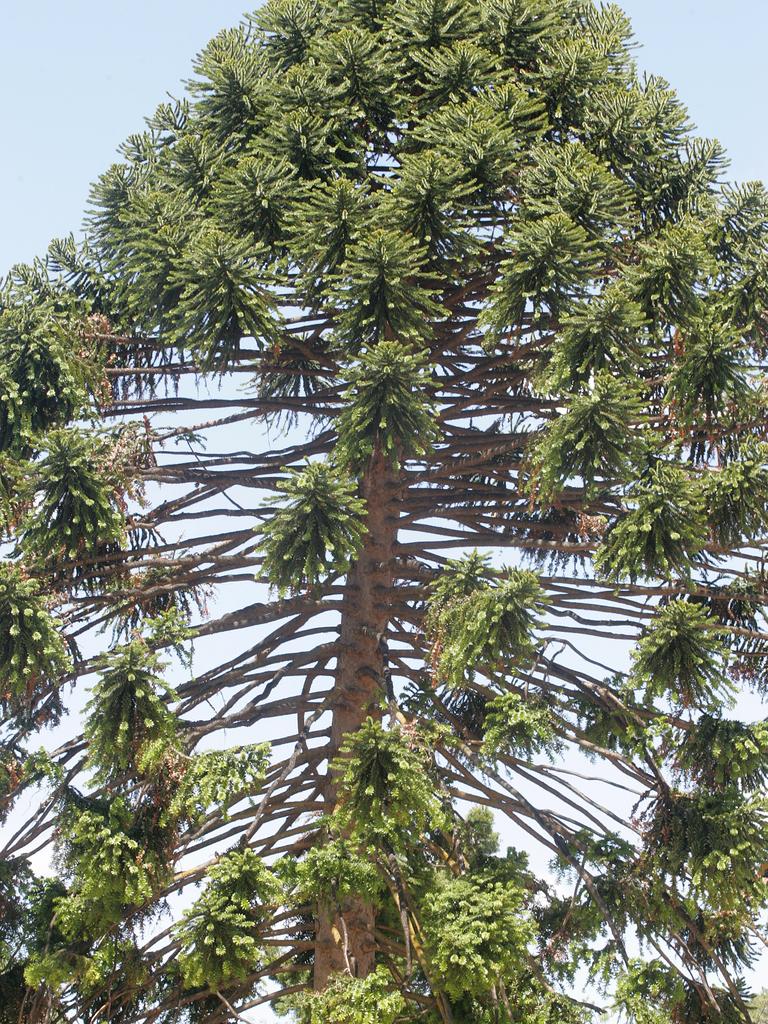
(77, 78)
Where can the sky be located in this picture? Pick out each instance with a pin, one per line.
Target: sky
(77, 78)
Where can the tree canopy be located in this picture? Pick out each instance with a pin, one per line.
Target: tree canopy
(385, 472)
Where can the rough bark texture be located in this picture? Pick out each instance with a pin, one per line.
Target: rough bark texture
(359, 688)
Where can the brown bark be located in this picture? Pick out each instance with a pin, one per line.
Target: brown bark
(345, 942)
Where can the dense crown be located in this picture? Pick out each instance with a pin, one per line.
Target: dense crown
(411, 368)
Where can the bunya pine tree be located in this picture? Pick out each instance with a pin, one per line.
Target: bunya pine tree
(385, 472)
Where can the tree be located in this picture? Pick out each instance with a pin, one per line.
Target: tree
(759, 1008)
(412, 368)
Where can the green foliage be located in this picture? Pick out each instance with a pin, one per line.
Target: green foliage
(128, 710)
(117, 860)
(519, 28)
(317, 532)
(484, 135)
(711, 377)
(741, 223)
(79, 512)
(681, 656)
(14, 495)
(477, 932)
(591, 441)
(254, 197)
(219, 778)
(33, 653)
(18, 769)
(388, 407)
(490, 630)
(459, 578)
(737, 498)
(481, 837)
(304, 140)
(649, 993)
(111, 962)
(358, 71)
(346, 1000)
(550, 263)
(427, 24)
(383, 798)
(326, 225)
(47, 373)
(222, 296)
(378, 294)
(425, 201)
(605, 332)
(170, 626)
(717, 840)
(719, 753)
(662, 532)
(94, 974)
(335, 872)
(759, 1008)
(517, 725)
(220, 933)
(566, 177)
(161, 610)
(229, 90)
(287, 27)
(672, 265)
(145, 230)
(455, 72)
(27, 930)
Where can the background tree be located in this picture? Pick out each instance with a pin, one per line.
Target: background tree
(412, 367)
(759, 1008)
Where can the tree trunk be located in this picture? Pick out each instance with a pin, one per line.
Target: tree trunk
(345, 942)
